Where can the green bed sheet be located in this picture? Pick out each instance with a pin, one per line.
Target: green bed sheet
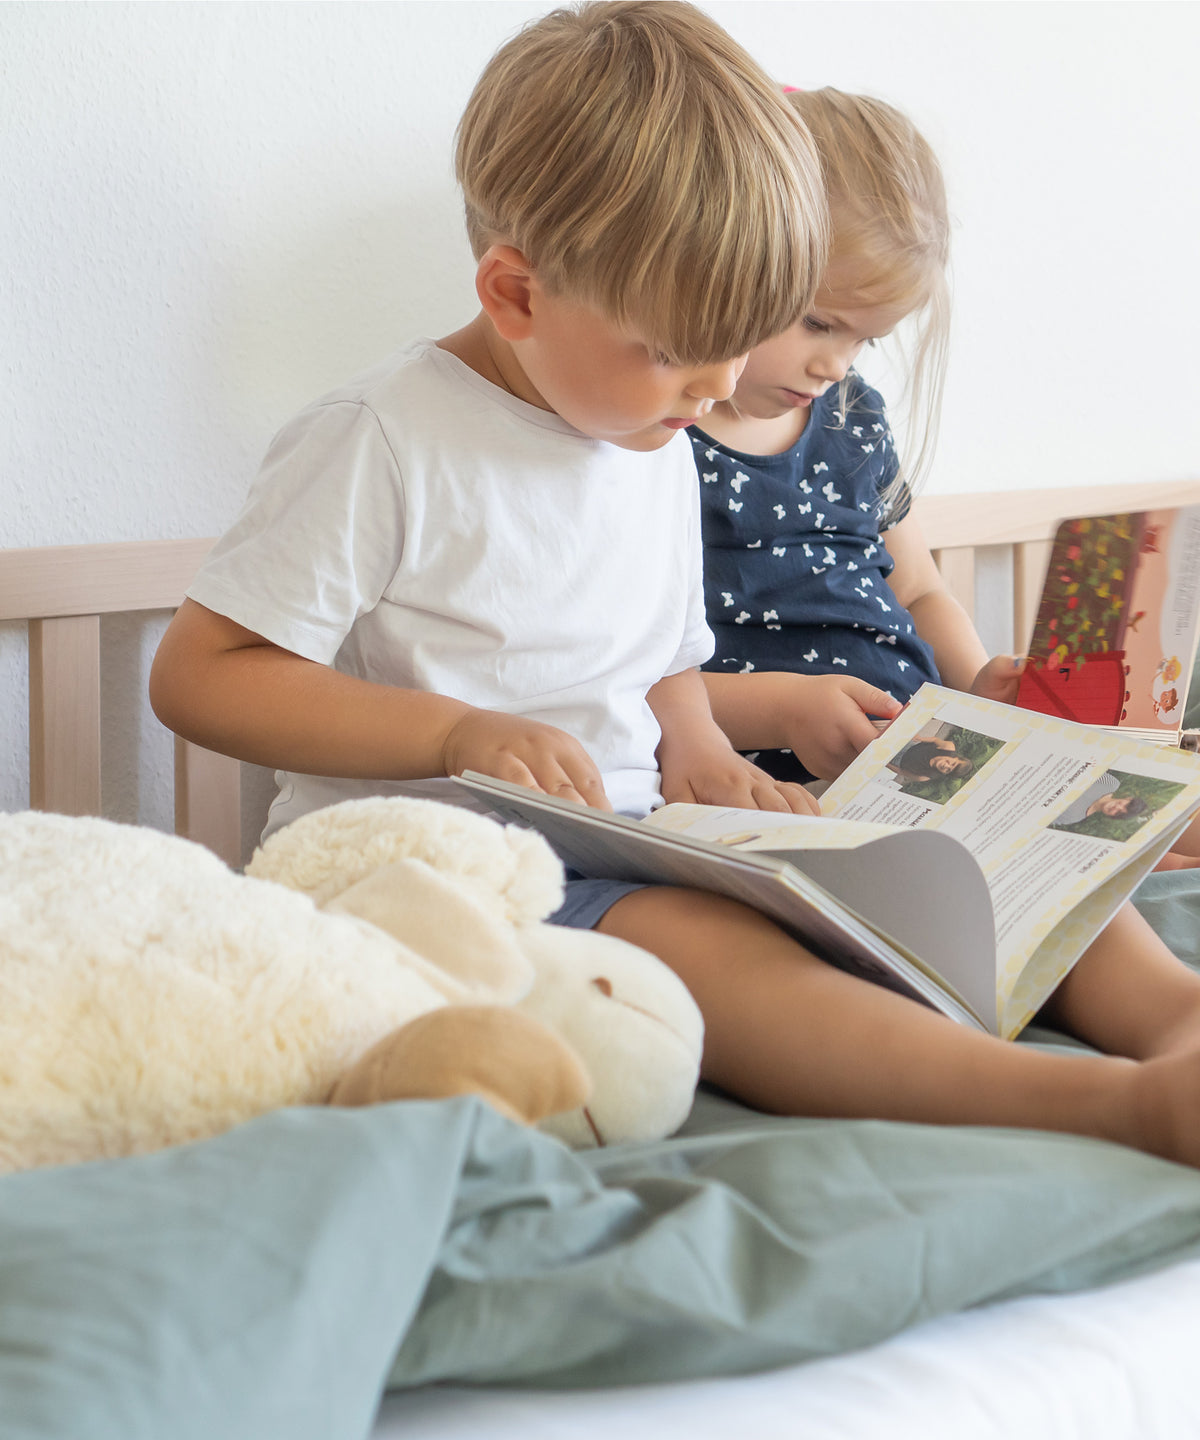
(270, 1283)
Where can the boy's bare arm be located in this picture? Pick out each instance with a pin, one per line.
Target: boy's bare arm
(227, 688)
(698, 764)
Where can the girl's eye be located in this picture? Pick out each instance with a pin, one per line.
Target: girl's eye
(818, 327)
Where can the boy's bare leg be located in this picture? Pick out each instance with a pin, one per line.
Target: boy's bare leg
(790, 1034)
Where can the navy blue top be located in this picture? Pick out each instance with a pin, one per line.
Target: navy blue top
(795, 572)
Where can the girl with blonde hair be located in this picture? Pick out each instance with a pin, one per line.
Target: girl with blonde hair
(822, 593)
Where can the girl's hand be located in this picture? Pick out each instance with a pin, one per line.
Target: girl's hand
(1000, 679)
(525, 752)
(826, 719)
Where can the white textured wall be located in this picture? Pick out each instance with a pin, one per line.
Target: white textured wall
(209, 213)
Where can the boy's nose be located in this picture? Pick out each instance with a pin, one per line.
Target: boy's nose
(717, 381)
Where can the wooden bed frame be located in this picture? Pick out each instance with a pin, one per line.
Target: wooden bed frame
(62, 591)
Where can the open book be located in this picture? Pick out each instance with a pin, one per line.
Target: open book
(967, 858)
(1116, 630)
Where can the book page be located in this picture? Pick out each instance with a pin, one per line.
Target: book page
(879, 879)
(1050, 810)
(775, 831)
(872, 908)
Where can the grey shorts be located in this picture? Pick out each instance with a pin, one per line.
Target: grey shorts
(585, 902)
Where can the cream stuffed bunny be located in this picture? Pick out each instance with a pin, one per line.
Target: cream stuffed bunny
(469, 895)
(150, 996)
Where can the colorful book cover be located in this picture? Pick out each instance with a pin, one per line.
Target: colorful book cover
(1116, 629)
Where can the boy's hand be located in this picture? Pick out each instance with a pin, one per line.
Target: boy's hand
(826, 719)
(720, 776)
(1000, 679)
(524, 752)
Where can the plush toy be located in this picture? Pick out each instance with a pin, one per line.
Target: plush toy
(380, 949)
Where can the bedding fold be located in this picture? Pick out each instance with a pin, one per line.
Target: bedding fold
(273, 1281)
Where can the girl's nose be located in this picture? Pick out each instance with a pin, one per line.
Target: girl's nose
(832, 365)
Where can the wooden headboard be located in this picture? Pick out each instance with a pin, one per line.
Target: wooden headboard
(62, 591)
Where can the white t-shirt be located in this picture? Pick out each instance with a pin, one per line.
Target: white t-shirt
(421, 527)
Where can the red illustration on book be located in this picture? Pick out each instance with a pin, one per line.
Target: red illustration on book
(1120, 591)
(1089, 688)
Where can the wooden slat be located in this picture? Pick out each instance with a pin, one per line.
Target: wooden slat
(958, 571)
(1012, 517)
(208, 800)
(97, 579)
(64, 715)
(1029, 573)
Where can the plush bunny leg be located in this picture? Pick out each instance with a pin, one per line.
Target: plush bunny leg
(515, 1063)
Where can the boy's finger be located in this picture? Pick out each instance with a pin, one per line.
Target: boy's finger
(783, 795)
(799, 800)
(765, 795)
(582, 787)
(593, 794)
(515, 772)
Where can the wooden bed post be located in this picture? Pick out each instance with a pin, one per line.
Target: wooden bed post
(64, 714)
(208, 800)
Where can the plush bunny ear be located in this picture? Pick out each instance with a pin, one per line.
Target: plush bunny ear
(515, 1063)
(470, 952)
(327, 851)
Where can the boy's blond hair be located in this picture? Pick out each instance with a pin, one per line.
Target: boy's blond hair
(887, 205)
(642, 163)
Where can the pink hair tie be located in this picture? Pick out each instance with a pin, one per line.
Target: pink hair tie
(792, 89)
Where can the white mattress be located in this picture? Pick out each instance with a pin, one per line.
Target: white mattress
(1122, 1363)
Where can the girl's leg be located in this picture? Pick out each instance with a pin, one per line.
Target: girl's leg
(788, 1033)
(1186, 849)
(1128, 995)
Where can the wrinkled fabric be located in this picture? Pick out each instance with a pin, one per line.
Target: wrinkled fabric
(272, 1281)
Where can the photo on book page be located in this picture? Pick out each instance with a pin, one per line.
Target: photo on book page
(939, 761)
(1116, 805)
(1117, 626)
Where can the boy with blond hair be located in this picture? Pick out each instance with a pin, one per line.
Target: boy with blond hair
(485, 554)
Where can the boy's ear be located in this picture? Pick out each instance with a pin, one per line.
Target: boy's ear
(505, 284)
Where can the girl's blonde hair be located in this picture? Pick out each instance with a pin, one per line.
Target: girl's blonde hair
(643, 163)
(887, 204)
